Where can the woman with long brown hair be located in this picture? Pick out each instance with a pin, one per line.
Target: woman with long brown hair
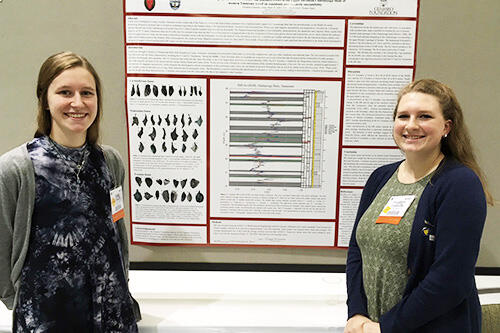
(416, 237)
(63, 257)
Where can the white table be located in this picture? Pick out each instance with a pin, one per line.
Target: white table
(240, 302)
(244, 302)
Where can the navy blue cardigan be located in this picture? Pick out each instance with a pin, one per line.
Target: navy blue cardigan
(441, 294)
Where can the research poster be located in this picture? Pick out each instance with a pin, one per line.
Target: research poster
(257, 123)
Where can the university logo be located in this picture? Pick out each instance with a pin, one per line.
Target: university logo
(149, 4)
(175, 4)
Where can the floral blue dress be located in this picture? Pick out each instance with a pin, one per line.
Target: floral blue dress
(73, 279)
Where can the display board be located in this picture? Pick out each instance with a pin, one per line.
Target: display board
(257, 123)
(458, 43)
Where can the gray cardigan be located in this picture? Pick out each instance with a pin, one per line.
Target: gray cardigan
(17, 199)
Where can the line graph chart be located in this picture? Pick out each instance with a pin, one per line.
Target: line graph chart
(276, 138)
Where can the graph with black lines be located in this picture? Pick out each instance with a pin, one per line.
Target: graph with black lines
(276, 138)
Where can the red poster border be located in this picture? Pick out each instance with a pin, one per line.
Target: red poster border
(208, 80)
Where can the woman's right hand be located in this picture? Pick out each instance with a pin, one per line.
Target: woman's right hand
(355, 324)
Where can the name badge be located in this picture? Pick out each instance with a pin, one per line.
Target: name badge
(395, 209)
(116, 196)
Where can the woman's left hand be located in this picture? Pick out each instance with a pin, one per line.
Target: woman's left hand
(371, 327)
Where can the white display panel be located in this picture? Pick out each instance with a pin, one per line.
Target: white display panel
(282, 109)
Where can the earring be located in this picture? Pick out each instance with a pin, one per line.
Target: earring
(446, 135)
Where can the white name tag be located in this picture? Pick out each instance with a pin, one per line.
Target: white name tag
(117, 206)
(395, 209)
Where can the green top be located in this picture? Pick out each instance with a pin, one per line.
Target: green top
(384, 247)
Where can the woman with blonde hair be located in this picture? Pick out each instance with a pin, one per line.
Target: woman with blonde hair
(63, 258)
(415, 241)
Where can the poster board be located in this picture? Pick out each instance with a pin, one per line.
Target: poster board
(257, 123)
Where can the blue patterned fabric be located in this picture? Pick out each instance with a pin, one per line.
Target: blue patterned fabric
(73, 279)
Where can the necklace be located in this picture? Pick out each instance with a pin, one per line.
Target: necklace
(68, 161)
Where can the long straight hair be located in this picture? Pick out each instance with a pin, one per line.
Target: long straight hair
(50, 69)
(457, 144)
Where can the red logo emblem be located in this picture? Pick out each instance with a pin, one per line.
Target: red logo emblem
(149, 4)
